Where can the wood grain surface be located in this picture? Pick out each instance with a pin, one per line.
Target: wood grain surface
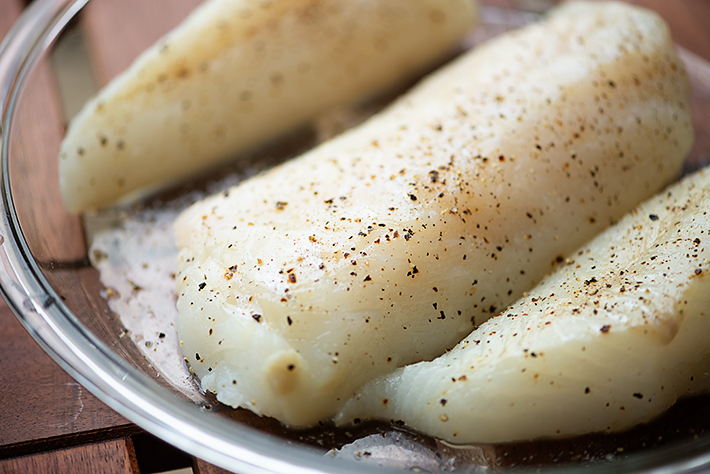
(43, 409)
(118, 31)
(202, 467)
(688, 20)
(36, 140)
(109, 457)
(42, 406)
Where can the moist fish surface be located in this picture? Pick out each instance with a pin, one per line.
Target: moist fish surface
(388, 244)
(610, 340)
(237, 73)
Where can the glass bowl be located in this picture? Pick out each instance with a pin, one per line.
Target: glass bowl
(46, 278)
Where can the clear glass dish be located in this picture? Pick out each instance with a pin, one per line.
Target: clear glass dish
(46, 280)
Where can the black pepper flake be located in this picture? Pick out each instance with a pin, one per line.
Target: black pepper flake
(638, 395)
(698, 271)
(202, 286)
(605, 328)
(197, 356)
(412, 197)
(443, 402)
(257, 317)
(161, 335)
(289, 320)
(367, 278)
(587, 390)
(653, 217)
(291, 367)
(230, 272)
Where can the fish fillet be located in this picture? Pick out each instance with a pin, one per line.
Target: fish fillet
(386, 245)
(238, 72)
(610, 340)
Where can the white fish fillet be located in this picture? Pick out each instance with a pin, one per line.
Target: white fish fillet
(608, 341)
(238, 72)
(386, 245)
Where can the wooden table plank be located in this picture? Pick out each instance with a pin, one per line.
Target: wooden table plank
(35, 139)
(9, 11)
(110, 457)
(40, 402)
(202, 467)
(34, 174)
(118, 31)
(688, 20)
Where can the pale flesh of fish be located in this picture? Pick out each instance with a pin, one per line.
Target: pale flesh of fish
(386, 245)
(610, 340)
(237, 73)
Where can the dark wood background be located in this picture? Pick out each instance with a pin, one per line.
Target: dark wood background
(48, 422)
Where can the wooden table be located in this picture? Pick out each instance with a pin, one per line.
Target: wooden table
(48, 422)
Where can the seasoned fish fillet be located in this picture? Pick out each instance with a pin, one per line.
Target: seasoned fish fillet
(238, 72)
(608, 341)
(386, 246)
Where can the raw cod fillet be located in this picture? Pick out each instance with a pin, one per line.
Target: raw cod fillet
(386, 245)
(610, 340)
(237, 73)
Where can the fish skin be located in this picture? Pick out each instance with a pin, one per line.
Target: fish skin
(386, 245)
(608, 341)
(237, 73)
